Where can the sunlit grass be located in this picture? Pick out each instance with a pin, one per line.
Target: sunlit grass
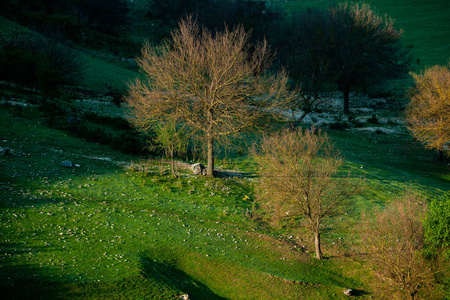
(117, 219)
(88, 228)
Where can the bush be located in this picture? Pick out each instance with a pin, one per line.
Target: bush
(393, 243)
(428, 113)
(437, 227)
(35, 61)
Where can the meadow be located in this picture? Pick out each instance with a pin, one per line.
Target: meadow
(120, 226)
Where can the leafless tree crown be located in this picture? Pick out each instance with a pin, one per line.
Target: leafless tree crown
(210, 82)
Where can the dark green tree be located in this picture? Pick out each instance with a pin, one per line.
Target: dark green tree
(32, 60)
(349, 46)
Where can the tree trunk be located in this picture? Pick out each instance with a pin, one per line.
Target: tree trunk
(210, 166)
(317, 245)
(173, 163)
(346, 92)
(210, 142)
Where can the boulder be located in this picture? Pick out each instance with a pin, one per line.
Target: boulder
(198, 169)
(67, 164)
(348, 292)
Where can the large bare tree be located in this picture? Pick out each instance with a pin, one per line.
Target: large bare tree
(209, 82)
(299, 180)
(428, 113)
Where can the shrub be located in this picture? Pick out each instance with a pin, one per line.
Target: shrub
(299, 180)
(437, 227)
(35, 61)
(393, 241)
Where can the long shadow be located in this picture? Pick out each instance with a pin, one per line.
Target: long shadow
(27, 280)
(171, 275)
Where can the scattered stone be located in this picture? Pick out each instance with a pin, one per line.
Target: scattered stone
(73, 120)
(67, 164)
(6, 151)
(348, 292)
(378, 130)
(198, 169)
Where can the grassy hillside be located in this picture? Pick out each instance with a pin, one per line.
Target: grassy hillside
(118, 226)
(102, 226)
(100, 69)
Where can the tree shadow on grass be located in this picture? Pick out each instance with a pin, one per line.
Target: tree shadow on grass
(22, 280)
(358, 293)
(169, 274)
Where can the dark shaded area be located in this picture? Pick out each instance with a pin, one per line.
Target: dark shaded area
(113, 131)
(67, 18)
(21, 281)
(337, 48)
(255, 16)
(169, 274)
(356, 293)
(33, 61)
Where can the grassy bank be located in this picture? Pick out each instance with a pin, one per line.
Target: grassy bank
(101, 227)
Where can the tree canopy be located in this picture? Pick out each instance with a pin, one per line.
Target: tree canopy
(346, 45)
(298, 180)
(211, 83)
(428, 113)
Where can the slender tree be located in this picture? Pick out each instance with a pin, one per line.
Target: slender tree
(210, 83)
(298, 180)
(428, 113)
(173, 138)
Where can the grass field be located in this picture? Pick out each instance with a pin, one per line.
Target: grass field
(118, 226)
(86, 231)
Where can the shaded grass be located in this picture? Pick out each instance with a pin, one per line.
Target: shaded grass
(98, 71)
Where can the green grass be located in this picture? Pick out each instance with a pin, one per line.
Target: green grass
(107, 230)
(100, 72)
(102, 229)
